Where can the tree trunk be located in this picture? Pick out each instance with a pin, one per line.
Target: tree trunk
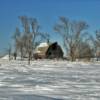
(29, 58)
(21, 53)
(72, 55)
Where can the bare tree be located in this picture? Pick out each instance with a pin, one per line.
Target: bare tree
(98, 38)
(97, 43)
(85, 50)
(30, 37)
(20, 46)
(16, 38)
(25, 23)
(72, 32)
(35, 30)
(37, 36)
(9, 52)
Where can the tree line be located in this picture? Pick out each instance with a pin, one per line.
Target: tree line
(78, 43)
(26, 41)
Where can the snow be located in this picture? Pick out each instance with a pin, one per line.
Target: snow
(43, 45)
(6, 57)
(49, 80)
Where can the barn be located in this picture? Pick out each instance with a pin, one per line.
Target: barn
(54, 51)
(48, 51)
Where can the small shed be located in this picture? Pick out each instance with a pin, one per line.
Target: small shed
(54, 51)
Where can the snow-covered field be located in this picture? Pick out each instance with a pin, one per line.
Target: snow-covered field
(49, 80)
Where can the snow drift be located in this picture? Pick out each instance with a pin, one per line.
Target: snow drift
(49, 80)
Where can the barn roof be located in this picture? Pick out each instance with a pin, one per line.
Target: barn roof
(41, 48)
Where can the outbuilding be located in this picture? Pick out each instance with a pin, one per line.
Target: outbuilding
(48, 51)
(54, 51)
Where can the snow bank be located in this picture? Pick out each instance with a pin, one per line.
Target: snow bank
(49, 79)
(6, 57)
(32, 97)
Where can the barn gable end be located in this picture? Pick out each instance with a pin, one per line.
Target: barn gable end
(54, 51)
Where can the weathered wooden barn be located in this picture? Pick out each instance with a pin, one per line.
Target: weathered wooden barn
(49, 51)
(54, 51)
